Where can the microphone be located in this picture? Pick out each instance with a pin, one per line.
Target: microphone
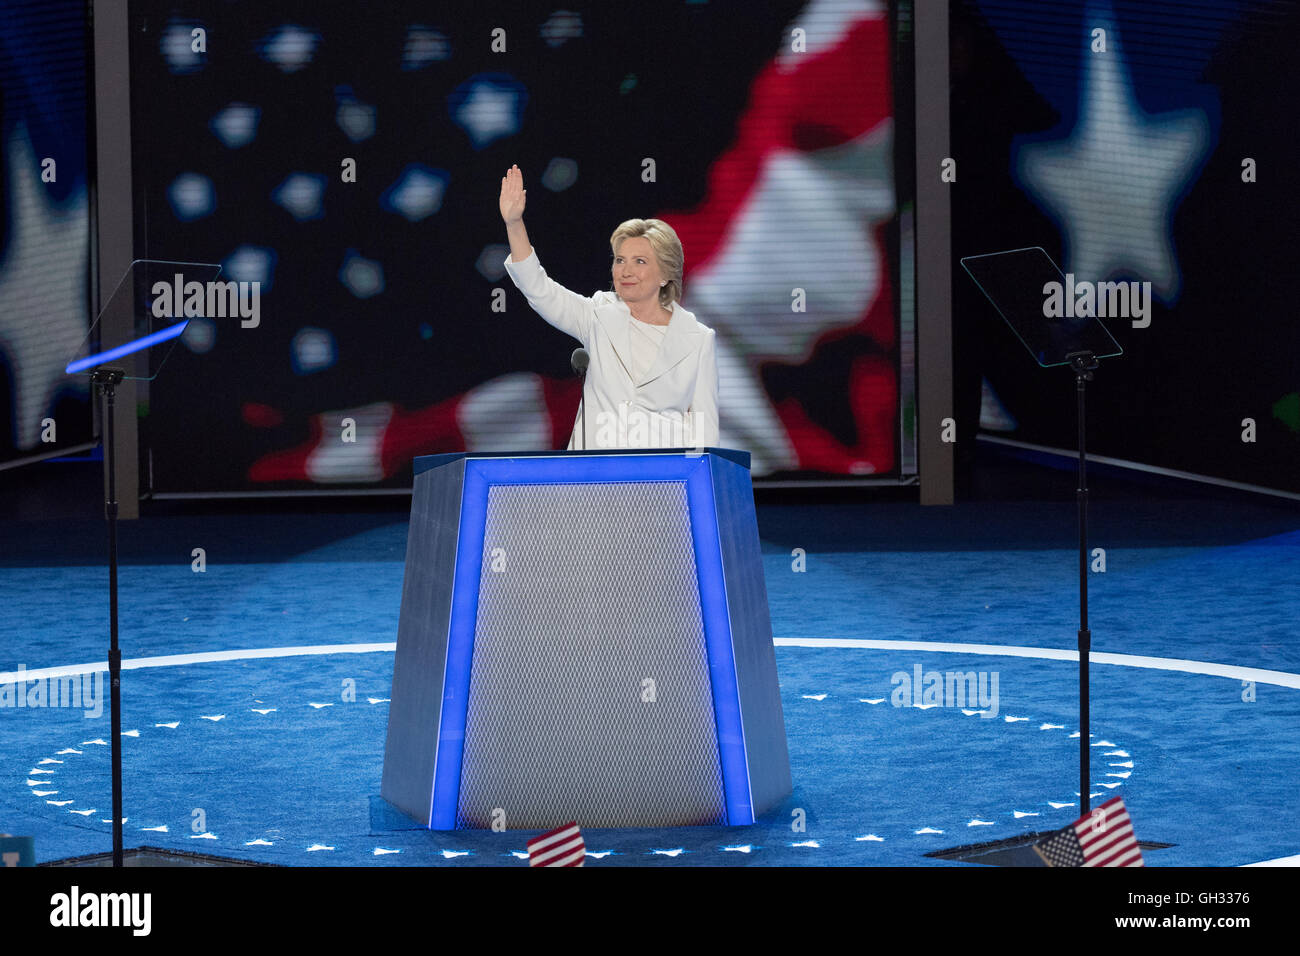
(580, 359)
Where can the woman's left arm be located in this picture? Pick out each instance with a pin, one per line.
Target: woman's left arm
(704, 404)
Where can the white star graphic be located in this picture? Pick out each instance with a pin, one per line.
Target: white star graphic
(1114, 183)
(42, 282)
(488, 112)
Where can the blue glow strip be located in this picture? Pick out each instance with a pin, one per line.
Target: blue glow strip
(139, 345)
(717, 638)
(480, 475)
(577, 470)
(460, 648)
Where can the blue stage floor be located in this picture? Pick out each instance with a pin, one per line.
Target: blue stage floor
(276, 755)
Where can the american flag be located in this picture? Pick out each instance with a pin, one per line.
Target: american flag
(797, 139)
(562, 846)
(1104, 837)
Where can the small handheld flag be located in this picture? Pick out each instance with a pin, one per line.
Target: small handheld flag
(562, 846)
(1104, 837)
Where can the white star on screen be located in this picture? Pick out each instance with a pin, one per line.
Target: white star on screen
(290, 48)
(491, 261)
(191, 196)
(355, 118)
(424, 46)
(361, 276)
(561, 26)
(313, 350)
(487, 110)
(177, 46)
(44, 317)
(250, 264)
(200, 335)
(417, 194)
(236, 125)
(1113, 184)
(560, 174)
(302, 195)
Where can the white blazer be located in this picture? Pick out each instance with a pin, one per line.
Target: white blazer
(674, 405)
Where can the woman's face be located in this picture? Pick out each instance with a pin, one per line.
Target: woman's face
(636, 272)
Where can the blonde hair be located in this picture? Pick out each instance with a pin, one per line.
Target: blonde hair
(667, 249)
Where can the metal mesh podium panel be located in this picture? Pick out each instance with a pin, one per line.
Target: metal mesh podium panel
(587, 592)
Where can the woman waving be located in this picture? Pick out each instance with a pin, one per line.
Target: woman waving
(653, 377)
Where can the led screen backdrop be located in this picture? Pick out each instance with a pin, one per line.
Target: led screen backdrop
(44, 226)
(1147, 142)
(766, 140)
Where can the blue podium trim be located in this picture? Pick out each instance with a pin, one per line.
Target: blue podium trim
(559, 468)
(423, 463)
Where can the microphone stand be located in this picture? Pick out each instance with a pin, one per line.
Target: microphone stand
(582, 409)
(581, 369)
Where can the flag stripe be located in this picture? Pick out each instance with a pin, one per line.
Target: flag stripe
(1102, 842)
(562, 846)
(1092, 834)
(1092, 831)
(542, 845)
(1107, 858)
(1113, 858)
(1105, 837)
(561, 850)
(553, 836)
(1111, 847)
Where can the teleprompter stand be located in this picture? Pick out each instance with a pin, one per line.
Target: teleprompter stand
(106, 381)
(1015, 283)
(136, 330)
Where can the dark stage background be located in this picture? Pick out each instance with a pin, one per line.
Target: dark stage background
(1128, 165)
(774, 166)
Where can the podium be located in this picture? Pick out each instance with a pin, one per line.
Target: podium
(584, 636)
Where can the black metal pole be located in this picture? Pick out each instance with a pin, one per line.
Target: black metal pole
(107, 380)
(1083, 363)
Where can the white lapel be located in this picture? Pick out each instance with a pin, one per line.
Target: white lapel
(614, 319)
(679, 342)
(680, 339)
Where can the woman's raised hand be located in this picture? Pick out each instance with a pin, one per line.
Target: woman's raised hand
(513, 195)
